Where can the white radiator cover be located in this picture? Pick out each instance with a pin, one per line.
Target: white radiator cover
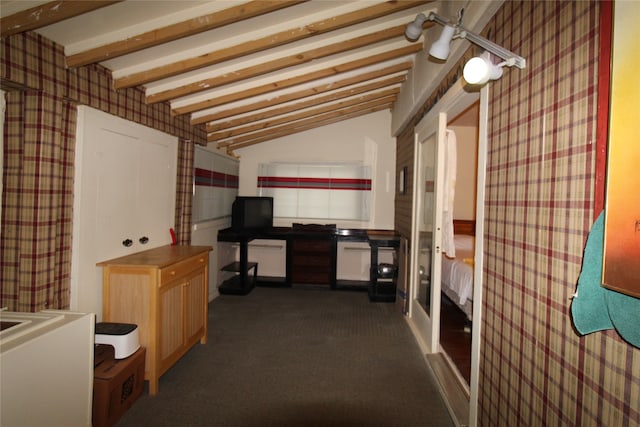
(46, 369)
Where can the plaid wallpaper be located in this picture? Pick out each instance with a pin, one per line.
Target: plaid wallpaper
(37, 211)
(184, 192)
(535, 369)
(39, 151)
(33, 61)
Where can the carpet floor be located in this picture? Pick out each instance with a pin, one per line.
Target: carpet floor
(298, 357)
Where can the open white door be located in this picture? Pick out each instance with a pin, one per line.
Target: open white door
(427, 230)
(426, 236)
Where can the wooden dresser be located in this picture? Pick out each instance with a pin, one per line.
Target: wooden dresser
(165, 292)
(312, 261)
(311, 252)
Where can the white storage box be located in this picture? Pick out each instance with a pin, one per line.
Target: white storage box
(122, 336)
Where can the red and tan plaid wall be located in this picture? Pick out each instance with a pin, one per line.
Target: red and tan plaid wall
(31, 61)
(39, 149)
(535, 369)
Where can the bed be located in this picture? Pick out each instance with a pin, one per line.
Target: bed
(457, 273)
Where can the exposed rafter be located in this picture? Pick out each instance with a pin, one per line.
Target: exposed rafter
(317, 75)
(277, 64)
(213, 126)
(47, 14)
(311, 124)
(174, 32)
(248, 71)
(270, 41)
(388, 95)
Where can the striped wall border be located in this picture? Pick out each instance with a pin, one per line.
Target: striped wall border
(209, 178)
(356, 184)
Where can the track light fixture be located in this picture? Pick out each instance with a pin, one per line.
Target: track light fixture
(414, 29)
(479, 70)
(440, 49)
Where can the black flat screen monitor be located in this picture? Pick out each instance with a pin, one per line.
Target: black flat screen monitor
(252, 213)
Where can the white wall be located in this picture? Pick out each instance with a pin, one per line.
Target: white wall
(364, 139)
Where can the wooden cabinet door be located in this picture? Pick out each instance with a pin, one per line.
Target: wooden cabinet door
(171, 329)
(195, 303)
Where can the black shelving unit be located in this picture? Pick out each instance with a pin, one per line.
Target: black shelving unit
(242, 283)
(382, 285)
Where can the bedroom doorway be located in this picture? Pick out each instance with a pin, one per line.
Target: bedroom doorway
(430, 304)
(456, 309)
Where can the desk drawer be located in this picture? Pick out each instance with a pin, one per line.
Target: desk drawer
(182, 268)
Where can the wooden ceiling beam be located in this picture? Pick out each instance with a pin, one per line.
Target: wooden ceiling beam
(295, 106)
(259, 105)
(314, 125)
(273, 40)
(47, 14)
(301, 123)
(176, 31)
(282, 84)
(277, 64)
(388, 95)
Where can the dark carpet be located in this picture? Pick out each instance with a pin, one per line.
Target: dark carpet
(298, 357)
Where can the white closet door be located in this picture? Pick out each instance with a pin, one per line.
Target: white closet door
(125, 190)
(155, 197)
(115, 160)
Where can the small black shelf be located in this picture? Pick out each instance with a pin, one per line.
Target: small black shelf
(382, 291)
(235, 286)
(241, 283)
(236, 267)
(383, 284)
(272, 282)
(352, 285)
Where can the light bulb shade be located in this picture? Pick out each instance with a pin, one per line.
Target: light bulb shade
(414, 29)
(440, 49)
(479, 70)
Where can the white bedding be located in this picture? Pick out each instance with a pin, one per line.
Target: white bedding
(457, 275)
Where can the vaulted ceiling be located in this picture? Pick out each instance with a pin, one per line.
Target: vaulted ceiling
(247, 71)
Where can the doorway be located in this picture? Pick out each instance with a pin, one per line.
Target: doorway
(430, 305)
(457, 272)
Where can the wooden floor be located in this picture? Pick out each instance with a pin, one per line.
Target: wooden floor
(455, 340)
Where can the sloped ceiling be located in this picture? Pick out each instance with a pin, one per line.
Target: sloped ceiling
(247, 71)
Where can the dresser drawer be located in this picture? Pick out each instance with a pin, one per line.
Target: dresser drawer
(310, 276)
(311, 260)
(182, 268)
(321, 246)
